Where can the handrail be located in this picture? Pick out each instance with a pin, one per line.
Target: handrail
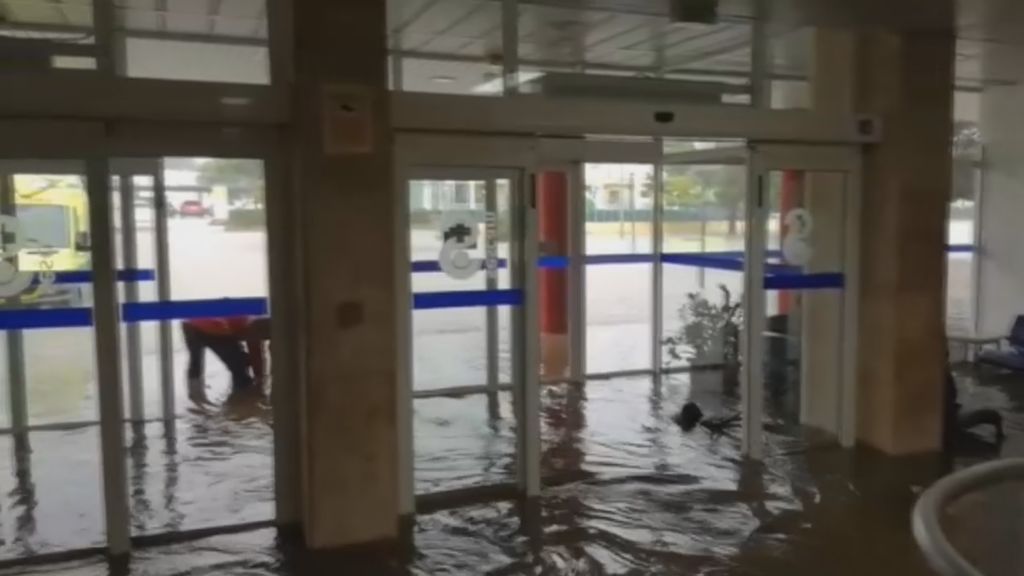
(940, 554)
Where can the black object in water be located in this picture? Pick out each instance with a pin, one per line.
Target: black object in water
(691, 415)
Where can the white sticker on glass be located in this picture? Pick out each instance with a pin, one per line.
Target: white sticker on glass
(796, 246)
(460, 232)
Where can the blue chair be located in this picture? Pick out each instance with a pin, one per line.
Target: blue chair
(1011, 357)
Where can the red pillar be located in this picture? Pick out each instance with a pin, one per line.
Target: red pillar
(792, 197)
(553, 225)
(553, 217)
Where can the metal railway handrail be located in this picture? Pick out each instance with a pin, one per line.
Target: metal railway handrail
(938, 551)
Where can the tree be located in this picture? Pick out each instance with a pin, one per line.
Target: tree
(727, 187)
(245, 176)
(683, 190)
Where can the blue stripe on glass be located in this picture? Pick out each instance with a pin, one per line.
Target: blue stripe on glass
(600, 259)
(553, 262)
(960, 248)
(184, 309)
(821, 281)
(466, 299)
(85, 276)
(711, 260)
(45, 318)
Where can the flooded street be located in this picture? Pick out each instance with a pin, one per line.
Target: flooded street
(632, 494)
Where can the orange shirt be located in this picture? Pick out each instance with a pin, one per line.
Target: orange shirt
(236, 327)
(233, 326)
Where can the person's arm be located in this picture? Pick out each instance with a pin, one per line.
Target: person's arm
(256, 360)
(257, 332)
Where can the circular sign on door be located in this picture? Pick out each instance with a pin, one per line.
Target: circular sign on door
(796, 245)
(460, 232)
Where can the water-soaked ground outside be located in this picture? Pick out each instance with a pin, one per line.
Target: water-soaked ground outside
(645, 498)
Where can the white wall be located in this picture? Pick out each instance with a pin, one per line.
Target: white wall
(1001, 255)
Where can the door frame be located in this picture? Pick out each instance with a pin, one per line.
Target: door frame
(100, 150)
(489, 159)
(762, 159)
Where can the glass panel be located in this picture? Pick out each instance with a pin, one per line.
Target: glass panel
(50, 501)
(446, 47)
(42, 35)
(805, 244)
(221, 42)
(961, 232)
(140, 215)
(449, 345)
(219, 469)
(621, 54)
(461, 234)
(703, 282)
(619, 220)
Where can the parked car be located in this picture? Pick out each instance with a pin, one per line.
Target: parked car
(193, 209)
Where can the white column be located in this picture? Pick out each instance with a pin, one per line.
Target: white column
(1000, 257)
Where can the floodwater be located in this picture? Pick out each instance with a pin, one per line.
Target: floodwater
(630, 494)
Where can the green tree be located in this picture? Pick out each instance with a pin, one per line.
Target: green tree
(683, 190)
(727, 187)
(240, 176)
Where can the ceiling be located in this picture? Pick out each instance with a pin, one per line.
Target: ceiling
(460, 41)
(635, 37)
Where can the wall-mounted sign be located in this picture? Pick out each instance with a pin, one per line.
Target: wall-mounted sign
(348, 120)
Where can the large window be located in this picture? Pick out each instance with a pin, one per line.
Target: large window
(476, 47)
(194, 40)
(961, 234)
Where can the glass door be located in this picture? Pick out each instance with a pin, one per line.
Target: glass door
(702, 231)
(50, 435)
(190, 242)
(471, 382)
(801, 272)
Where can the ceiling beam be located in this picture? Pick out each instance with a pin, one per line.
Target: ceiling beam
(87, 32)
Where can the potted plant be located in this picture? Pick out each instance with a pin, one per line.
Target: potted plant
(709, 337)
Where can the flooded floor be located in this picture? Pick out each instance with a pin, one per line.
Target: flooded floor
(635, 495)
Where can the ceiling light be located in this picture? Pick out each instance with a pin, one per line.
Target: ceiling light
(443, 79)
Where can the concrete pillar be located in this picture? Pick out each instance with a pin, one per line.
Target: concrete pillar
(342, 184)
(906, 77)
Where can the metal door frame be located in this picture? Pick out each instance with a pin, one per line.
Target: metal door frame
(765, 158)
(488, 159)
(100, 150)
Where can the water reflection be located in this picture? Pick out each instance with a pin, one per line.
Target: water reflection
(630, 494)
(23, 496)
(216, 470)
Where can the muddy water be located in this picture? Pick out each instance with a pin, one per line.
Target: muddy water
(635, 496)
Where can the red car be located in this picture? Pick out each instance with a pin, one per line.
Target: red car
(192, 209)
